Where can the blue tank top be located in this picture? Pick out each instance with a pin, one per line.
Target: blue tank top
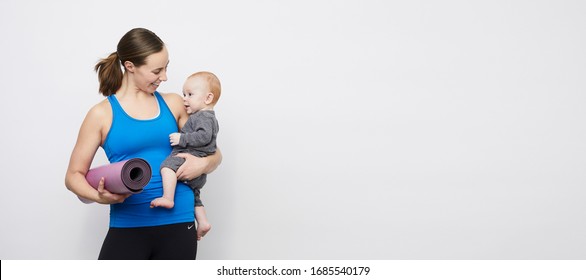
(147, 139)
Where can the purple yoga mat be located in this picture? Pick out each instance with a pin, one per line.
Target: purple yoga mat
(129, 176)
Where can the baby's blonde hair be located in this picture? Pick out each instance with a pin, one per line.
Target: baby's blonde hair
(213, 83)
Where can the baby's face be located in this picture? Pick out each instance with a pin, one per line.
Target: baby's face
(195, 91)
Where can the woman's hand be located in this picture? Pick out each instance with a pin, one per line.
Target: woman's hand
(106, 197)
(194, 167)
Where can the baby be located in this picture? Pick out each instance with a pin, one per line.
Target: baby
(201, 92)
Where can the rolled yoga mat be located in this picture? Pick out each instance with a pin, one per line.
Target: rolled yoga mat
(129, 176)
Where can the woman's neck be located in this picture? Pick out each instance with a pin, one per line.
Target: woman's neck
(129, 89)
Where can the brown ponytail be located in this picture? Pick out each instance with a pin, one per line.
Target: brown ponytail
(109, 74)
(135, 46)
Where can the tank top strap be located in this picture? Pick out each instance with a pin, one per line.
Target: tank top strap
(163, 108)
(116, 107)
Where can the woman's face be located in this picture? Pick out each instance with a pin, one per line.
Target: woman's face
(149, 76)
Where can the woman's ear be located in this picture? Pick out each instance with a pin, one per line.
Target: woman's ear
(129, 66)
(209, 98)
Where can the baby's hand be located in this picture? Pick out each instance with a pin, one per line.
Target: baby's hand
(174, 138)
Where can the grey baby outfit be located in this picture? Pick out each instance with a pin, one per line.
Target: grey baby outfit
(198, 137)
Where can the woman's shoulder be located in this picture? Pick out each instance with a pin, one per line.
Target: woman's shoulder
(174, 101)
(100, 111)
(172, 98)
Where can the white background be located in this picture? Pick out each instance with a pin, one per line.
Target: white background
(349, 129)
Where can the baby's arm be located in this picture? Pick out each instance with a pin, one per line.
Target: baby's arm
(197, 133)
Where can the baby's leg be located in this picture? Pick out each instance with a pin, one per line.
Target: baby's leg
(169, 184)
(203, 226)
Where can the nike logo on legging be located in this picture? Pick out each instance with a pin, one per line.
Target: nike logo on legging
(190, 226)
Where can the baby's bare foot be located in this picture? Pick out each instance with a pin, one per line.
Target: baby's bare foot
(162, 202)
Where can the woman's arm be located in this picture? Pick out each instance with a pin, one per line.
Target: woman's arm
(196, 166)
(88, 141)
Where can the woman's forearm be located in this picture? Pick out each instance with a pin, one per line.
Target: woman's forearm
(75, 182)
(214, 161)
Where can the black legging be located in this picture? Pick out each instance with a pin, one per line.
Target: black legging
(167, 242)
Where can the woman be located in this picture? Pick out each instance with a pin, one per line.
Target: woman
(135, 121)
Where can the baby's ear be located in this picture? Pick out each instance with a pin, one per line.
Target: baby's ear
(209, 98)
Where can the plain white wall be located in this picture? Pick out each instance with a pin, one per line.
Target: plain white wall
(350, 129)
